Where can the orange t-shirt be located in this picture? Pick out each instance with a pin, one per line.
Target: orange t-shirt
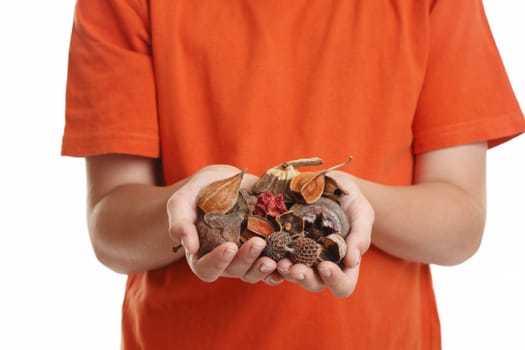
(254, 83)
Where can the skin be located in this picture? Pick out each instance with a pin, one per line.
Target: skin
(133, 222)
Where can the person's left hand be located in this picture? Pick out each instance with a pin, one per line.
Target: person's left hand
(341, 282)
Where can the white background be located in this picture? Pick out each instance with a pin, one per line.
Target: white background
(55, 295)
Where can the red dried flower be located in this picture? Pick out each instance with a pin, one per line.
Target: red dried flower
(269, 204)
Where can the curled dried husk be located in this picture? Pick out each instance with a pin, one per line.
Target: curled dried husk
(257, 226)
(332, 190)
(323, 217)
(291, 223)
(334, 248)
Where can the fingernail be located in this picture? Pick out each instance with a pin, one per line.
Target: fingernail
(272, 280)
(265, 268)
(284, 269)
(255, 251)
(299, 277)
(228, 254)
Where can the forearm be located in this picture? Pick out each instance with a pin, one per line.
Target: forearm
(431, 222)
(129, 228)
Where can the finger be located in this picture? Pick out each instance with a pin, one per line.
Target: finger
(362, 219)
(212, 265)
(263, 270)
(182, 212)
(342, 283)
(181, 217)
(274, 279)
(300, 274)
(248, 253)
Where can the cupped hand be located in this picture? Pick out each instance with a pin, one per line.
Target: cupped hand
(341, 282)
(226, 260)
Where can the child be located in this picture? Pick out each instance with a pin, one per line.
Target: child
(167, 96)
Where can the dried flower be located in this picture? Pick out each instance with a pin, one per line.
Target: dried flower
(312, 230)
(269, 204)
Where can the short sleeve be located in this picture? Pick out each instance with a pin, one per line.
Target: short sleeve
(466, 95)
(110, 94)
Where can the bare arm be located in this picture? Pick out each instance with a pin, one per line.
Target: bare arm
(127, 217)
(130, 219)
(440, 219)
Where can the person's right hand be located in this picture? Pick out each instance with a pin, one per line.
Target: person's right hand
(226, 260)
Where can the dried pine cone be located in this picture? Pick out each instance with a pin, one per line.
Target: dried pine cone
(305, 251)
(277, 245)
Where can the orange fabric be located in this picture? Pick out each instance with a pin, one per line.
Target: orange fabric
(253, 83)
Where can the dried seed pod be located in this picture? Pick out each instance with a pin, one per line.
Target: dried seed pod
(322, 218)
(334, 248)
(215, 228)
(220, 195)
(308, 187)
(278, 245)
(305, 251)
(291, 223)
(257, 226)
(277, 179)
